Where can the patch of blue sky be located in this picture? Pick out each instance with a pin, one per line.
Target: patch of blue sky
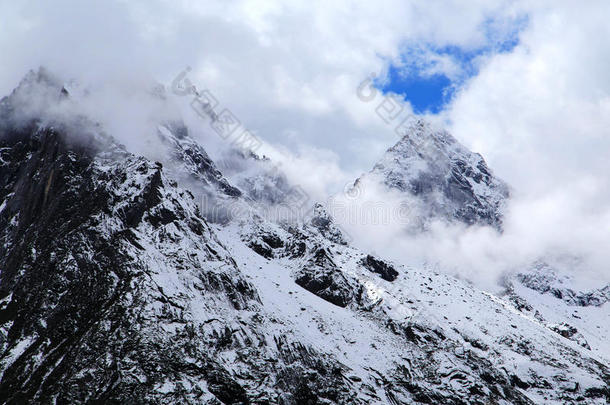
(428, 76)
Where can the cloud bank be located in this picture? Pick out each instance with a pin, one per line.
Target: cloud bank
(539, 112)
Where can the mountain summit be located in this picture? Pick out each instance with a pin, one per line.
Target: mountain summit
(447, 180)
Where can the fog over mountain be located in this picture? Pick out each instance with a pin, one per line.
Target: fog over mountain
(236, 202)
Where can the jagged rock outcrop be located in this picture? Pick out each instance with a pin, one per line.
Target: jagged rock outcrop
(193, 160)
(321, 276)
(114, 289)
(569, 332)
(323, 222)
(385, 270)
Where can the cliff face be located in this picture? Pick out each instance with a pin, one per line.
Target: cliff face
(95, 281)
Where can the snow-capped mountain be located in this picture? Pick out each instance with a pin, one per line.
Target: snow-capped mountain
(440, 177)
(115, 288)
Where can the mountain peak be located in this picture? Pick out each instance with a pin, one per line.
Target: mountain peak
(452, 182)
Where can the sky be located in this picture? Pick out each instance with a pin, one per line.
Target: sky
(427, 77)
(290, 72)
(523, 83)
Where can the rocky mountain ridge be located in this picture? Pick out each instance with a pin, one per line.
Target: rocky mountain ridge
(115, 288)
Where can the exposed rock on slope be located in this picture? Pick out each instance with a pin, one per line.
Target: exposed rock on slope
(321, 276)
(559, 300)
(544, 279)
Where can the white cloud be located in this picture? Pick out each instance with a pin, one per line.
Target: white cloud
(278, 67)
(539, 114)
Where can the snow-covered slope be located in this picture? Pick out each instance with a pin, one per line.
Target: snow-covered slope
(421, 336)
(114, 288)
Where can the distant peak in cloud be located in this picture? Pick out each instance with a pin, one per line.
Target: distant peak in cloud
(439, 178)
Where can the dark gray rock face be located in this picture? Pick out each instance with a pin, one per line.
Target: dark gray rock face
(85, 317)
(324, 223)
(322, 277)
(385, 270)
(76, 294)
